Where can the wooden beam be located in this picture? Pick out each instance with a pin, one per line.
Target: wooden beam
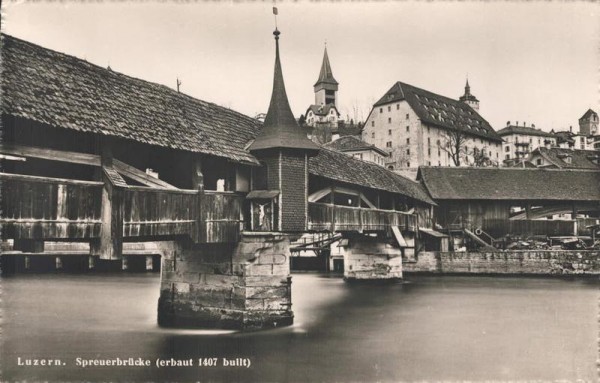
(366, 200)
(314, 197)
(139, 176)
(50, 154)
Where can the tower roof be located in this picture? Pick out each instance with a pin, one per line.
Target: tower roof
(468, 96)
(588, 114)
(326, 75)
(280, 129)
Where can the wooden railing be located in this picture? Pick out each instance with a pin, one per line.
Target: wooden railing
(39, 207)
(153, 212)
(327, 217)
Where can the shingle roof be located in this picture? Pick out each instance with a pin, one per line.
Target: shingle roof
(440, 111)
(588, 114)
(515, 129)
(351, 143)
(338, 166)
(280, 129)
(580, 159)
(458, 183)
(66, 92)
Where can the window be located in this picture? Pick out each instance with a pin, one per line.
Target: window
(429, 152)
(389, 120)
(428, 163)
(389, 108)
(389, 132)
(380, 110)
(407, 116)
(507, 156)
(408, 128)
(538, 161)
(408, 141)
(388, 144)
(408, 164)
(373, 135)
(408, 152)
(439, 163)
(428, 130)
(428, 140)
(397, 106)
(373, 124)
(507, 149)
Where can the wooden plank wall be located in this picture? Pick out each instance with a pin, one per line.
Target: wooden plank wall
(160, 212)
(221, 217)
(38, 207)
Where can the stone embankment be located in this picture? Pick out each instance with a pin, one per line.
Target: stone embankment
(530, 262)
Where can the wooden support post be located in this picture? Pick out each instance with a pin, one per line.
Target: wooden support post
(198, 184)
(332, 201)
(110, 244)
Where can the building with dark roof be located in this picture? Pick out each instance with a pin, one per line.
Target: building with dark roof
(359, 149)
(418, 127)
(520, 141)
(491, 198)
(560, 158)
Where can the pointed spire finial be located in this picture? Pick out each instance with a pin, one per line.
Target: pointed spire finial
(280, 129)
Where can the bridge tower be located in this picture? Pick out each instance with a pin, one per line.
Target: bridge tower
(247, 284)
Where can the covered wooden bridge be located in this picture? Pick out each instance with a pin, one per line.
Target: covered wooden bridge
(92, 155)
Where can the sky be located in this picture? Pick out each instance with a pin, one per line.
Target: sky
(533, 62)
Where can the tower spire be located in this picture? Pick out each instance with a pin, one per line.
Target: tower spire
(280, 129)
(326, 86)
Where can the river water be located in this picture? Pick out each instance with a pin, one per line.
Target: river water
(427, 328)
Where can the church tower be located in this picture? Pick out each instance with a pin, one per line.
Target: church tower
(326, 86)
(469, 99)
(284, 149)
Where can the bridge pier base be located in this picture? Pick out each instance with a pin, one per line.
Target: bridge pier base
(234, 286)
(371, 258)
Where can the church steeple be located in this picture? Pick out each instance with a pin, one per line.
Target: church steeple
(280, 129)
(326, 86)
(468, 98)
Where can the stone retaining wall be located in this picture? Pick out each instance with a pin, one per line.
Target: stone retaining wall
(544, 262)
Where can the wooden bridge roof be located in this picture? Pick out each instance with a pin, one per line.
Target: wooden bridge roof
(338, 166)
(66, 92)
(446, 183)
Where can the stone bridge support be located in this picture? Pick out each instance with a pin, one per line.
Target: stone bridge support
(237, 286)
(372, 258)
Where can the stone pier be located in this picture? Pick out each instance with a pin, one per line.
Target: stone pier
(372, 258)
(236, 286)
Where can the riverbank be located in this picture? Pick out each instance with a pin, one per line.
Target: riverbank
(528, 262)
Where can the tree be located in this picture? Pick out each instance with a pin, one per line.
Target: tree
(454, 142)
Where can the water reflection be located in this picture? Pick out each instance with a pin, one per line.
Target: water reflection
(431, 328)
